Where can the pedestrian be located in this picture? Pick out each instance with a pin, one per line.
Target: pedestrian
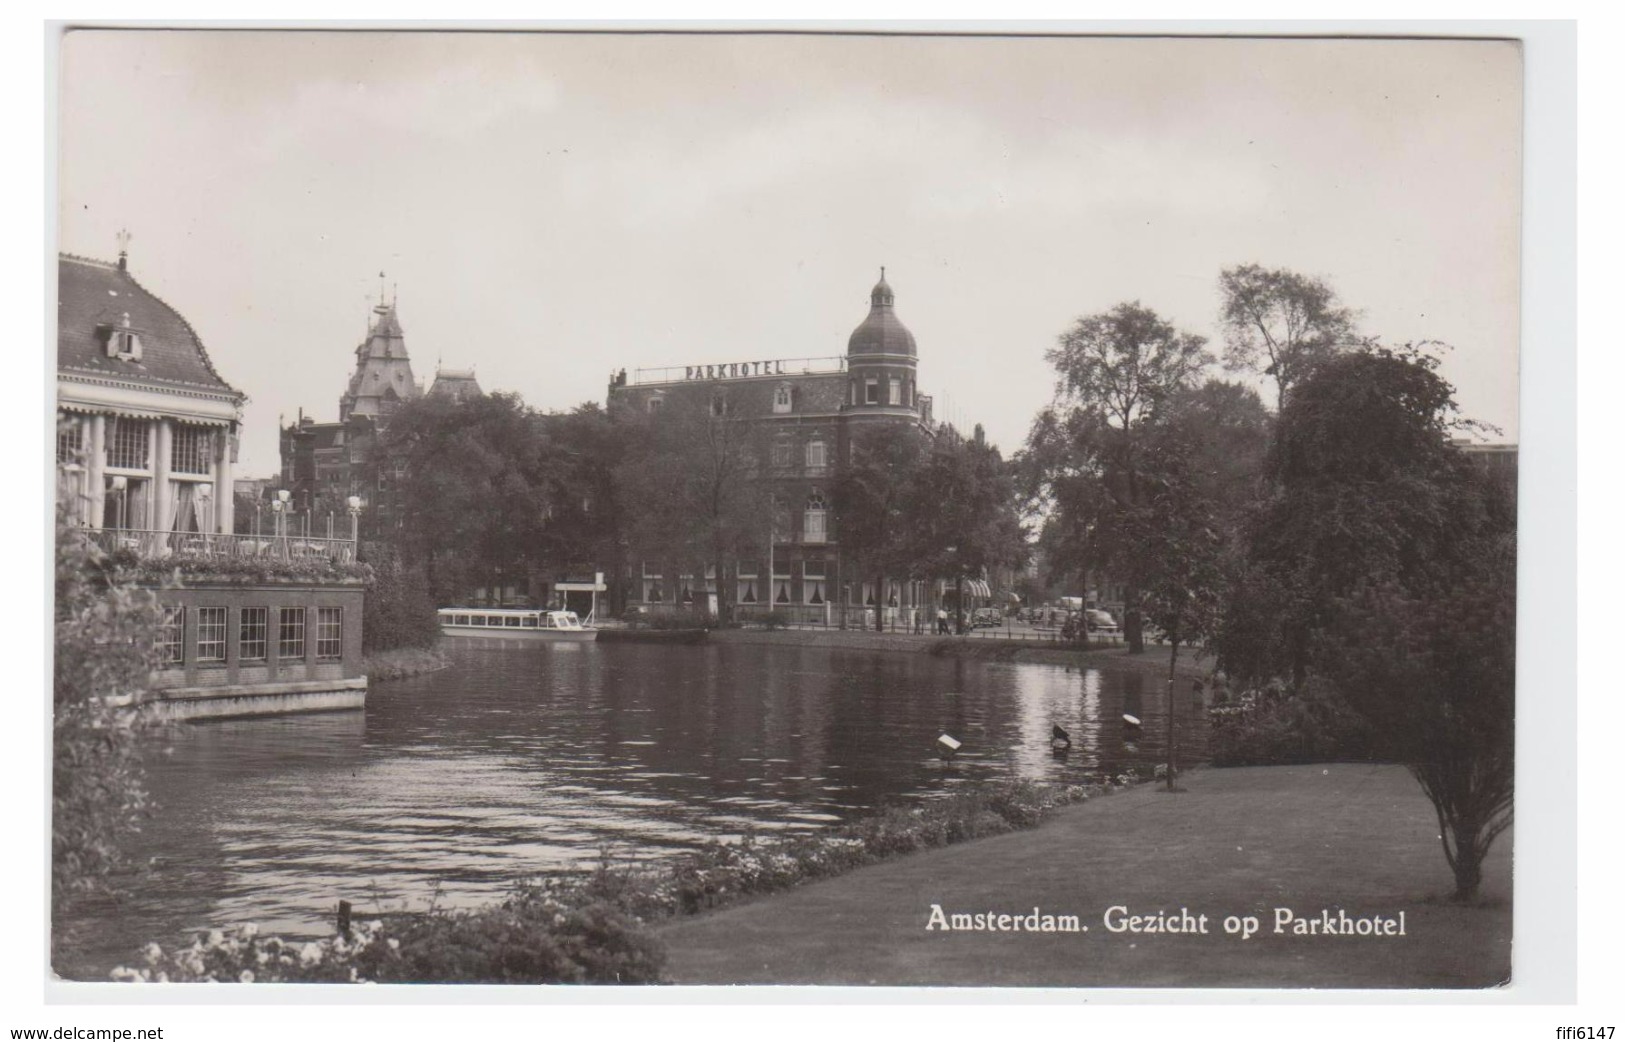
(942, 622)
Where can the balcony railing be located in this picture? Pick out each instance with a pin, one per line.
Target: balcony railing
(156, 545)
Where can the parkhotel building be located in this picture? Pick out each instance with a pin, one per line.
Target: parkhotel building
(808, 409)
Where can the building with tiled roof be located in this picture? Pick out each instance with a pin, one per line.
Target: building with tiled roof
(149, 427)
(457, 384)
(806, 410)
(146, 440)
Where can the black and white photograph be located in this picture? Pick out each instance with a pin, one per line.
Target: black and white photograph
(848, 509)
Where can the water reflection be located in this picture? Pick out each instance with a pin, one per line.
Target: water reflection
(532, 758)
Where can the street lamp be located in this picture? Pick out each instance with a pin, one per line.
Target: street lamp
(354, 503)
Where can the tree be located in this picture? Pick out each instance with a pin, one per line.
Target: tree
(1363, 487)
(962, 507)
(1087, 455)
(475, 487)
(106, 636)
(1280, 323)
(692, 491)
(1434, 675)
(874, 502)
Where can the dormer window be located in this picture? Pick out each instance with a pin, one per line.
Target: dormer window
(656, 401)
(122, 341)
(781, 398)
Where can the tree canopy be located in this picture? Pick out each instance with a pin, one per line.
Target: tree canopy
(1279, 323)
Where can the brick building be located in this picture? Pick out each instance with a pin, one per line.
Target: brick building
(806, 411)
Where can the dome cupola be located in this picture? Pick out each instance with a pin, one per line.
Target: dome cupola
(881, 333)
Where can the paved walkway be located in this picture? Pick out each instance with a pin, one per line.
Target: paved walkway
(1240, 841)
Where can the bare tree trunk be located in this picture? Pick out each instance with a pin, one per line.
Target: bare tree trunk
(1173, 659)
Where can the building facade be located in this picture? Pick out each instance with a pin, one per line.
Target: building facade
(805, 412)
(147, 430)
(324, 464)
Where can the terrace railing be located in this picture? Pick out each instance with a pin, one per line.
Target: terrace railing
(155, 544)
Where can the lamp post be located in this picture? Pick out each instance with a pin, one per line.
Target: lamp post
(279, 507)
(354, 503)
(205, 495)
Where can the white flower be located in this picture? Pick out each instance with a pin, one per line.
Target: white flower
(246, 977)
(310, 954)
(248, 930)
(394, 943)
(216, 938)
(153, 952)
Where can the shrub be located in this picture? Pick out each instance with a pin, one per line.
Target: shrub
(776, 620)
(105, 637)
(398, 612)
(1274, 727)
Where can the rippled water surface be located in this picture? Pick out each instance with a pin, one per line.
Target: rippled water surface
(529, 758)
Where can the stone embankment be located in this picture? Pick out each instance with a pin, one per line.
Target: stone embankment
(1153, 660)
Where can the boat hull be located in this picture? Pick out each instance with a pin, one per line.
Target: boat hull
(504, 633)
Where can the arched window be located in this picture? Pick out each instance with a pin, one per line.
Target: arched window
(812, 527)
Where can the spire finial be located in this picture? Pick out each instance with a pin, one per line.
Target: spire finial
(882, 272)
(123, 238)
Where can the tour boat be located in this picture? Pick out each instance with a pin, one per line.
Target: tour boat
(520, 623)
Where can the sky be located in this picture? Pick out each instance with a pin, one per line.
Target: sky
(547, 208)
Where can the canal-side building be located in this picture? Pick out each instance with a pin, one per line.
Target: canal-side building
(805, 410)
(146, 440)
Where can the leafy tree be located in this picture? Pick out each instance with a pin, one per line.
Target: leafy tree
(474, 492)
(875, 509)
(1087, 463)
(1363, 487)
(692, 490)
(962, 507)
(106, 634)
(1280, 323)
(1434, 674)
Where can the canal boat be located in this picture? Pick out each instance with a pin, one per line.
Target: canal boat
(516, 623)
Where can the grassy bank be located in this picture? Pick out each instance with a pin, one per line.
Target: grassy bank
(1242, 841)
(403, 662)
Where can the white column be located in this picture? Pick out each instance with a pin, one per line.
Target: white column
(163, 494)
(224, 500)
(95, 470)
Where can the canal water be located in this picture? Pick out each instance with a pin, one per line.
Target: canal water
(527, 758)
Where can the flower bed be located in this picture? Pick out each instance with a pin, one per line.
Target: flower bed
(590, 928)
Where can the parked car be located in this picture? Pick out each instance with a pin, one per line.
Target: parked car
(987, 617)
(1102, 622)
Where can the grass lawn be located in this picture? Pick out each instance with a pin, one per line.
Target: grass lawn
(1238, 841)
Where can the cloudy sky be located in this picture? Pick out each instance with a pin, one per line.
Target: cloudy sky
(552, 207)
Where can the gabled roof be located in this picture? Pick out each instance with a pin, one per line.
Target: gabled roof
(93, 298)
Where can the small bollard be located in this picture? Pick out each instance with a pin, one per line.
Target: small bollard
(344, 919)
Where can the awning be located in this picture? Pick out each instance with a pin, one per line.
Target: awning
(977, 588)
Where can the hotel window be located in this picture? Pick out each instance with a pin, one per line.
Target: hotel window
(172, 636)
(871, 391)
(251, 623)
(894, 389)
(211, 634)
(719, 405)
(812, 528)
(812, 581)
(127, 443)
(749, 593)
(655, 402)
(290, 633)
(781, 398)
(781, 454)
(191, 450)
(815, 455)
(329, 634)
(68, 442)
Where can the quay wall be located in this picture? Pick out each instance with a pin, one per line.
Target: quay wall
(1153, 660)
(217, 702)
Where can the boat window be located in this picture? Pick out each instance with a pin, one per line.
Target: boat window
(512, 620)
(477, 620)
(529, 622)
(459, 620)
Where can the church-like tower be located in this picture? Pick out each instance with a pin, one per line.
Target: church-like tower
(383, 371)
(881, 362)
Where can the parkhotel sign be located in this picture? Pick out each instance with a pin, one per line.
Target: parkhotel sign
(733, 370)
